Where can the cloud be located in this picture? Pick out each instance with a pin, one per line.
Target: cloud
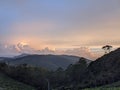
(8, 50)
(25, 48)
(59, 24)
(82, 52)
(46, 51)
(13, 50)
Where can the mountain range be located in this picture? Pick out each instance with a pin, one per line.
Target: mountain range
(10, 50)
(46, 61)
(104, 71)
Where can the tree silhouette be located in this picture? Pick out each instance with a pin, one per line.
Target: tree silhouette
(107, 48)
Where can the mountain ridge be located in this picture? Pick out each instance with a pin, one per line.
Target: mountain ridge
(104, 70)
(47, 61)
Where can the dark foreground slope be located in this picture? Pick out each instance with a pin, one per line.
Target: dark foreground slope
(104, 70)
(7, 83)
(47, 61)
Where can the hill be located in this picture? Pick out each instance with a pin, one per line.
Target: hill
(4, 58)
(47, 61)
(104, 70)
(112, 86)
(7, 83)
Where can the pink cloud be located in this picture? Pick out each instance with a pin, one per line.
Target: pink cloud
(12, 50)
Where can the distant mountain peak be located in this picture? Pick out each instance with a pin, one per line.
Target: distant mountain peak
(47, 61)
(22, 55)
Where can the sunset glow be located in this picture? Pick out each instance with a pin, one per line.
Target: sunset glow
(61, 24)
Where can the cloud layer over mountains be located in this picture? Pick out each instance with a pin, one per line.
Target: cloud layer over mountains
(20, 48)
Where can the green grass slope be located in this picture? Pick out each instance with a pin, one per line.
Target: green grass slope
(7, 83)
(113, 86)
(101, 88)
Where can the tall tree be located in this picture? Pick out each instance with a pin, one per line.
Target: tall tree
(107, 48)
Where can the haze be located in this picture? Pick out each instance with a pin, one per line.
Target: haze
(79, 27)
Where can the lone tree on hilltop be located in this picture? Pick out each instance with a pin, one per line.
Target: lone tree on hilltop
(107, 48)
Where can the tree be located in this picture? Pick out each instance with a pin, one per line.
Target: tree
(107, 48)
(75, 71)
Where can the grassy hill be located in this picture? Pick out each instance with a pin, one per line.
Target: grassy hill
(6, 83)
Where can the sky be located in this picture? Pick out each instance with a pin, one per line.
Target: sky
(64, 26)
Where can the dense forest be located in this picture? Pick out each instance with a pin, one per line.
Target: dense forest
(40, 77)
